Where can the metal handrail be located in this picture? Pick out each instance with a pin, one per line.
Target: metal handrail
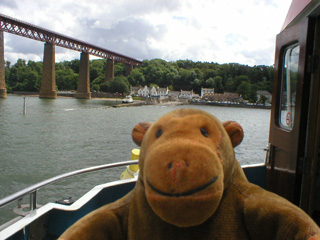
(32, 190)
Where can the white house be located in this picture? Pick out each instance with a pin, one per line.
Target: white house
(186, 94)
(144, 92)
(134, 91)
(162, 92)
(153, 91)
(206, 92)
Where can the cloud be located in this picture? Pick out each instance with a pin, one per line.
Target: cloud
(8, 3)
(22, 45)
(215, 31)
(130, 37)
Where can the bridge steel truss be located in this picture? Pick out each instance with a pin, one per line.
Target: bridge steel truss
(20, 28)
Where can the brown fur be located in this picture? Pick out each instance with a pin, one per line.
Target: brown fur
(190, 186)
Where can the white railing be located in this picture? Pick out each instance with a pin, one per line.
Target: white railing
(32, 190)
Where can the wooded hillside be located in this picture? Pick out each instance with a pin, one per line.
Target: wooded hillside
(181, 74)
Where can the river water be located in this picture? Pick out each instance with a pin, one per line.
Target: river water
(66, 134)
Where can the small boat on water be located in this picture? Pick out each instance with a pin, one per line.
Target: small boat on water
(127, 99)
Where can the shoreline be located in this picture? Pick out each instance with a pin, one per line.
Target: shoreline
(138, 103)
(32, 94)
(231, 105)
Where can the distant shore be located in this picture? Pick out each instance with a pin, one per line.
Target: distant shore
(241, 105)
(137, 103)
(34, 94)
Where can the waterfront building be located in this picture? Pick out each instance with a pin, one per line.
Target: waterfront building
(224, 97)
(186, 95)
(174, 95)
(264, 93)
(144, 92)
(134, 90)
(207, 92)
(158, 93)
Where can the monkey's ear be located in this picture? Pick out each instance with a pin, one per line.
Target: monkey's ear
(138, 132)
(234, 131)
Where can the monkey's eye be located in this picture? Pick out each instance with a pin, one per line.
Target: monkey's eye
(204, 132)
(158, 133)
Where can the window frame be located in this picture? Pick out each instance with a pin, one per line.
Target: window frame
(287, 121)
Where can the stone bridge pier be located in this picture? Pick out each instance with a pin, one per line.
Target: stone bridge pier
(48, 82)
(109, 70)
(83, 90)
(3, 90)
(128, 69)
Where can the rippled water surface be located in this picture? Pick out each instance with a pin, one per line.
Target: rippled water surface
(57, 136)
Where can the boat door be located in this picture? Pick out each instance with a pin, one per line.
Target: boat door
(294, 129)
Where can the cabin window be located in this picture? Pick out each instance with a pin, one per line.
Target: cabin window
(289, 86)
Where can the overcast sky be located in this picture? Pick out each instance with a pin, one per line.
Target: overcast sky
(222, 31)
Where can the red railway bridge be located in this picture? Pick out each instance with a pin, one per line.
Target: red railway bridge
(52, 39)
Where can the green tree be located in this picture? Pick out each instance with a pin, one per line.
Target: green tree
(263, 99)
(97, 69)
(186, 78)
(245, 90)
(219, 88)
(22, 77)
(186, 64)
(98, 80)
(119, 84)
(210, 83)
(136, 77)
(230, 86)
(119, 69)
(66, 79)
(95, 87)
(31, 80)
(104, 87)
(182, 74)
(196, 85)
(74, 65)
(159, 72)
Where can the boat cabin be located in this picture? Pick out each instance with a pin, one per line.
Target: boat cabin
(293, 165)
